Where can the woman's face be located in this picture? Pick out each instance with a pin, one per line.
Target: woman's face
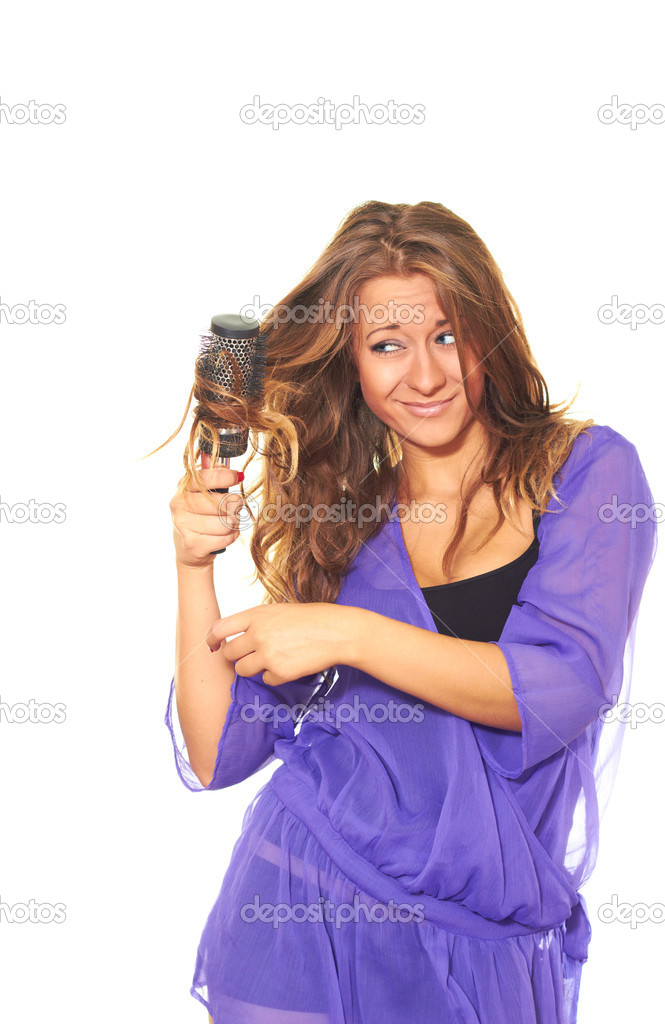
(412, 361)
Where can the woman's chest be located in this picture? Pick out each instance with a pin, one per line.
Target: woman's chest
(426, 543)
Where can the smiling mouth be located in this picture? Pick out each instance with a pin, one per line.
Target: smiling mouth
(429, 405)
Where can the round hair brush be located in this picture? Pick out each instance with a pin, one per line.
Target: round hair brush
(233, 357)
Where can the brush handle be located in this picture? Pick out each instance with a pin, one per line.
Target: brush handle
(221, 490)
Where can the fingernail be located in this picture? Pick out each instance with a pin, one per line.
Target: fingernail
(241, 475)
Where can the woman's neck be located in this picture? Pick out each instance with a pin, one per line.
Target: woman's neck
(434, 475)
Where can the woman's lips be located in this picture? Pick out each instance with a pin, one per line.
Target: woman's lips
(427, 410)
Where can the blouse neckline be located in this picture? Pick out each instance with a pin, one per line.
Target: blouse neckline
(483, 575)
(469, 579)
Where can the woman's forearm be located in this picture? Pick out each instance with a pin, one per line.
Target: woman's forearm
(202, 680)
(469, 678)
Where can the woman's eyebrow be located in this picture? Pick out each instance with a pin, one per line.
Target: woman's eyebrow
(397, 327)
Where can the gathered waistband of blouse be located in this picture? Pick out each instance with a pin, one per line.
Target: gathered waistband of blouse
(448, 914)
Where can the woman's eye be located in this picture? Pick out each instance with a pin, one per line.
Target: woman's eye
(378, 348)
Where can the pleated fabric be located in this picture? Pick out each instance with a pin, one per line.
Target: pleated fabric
(290, 940)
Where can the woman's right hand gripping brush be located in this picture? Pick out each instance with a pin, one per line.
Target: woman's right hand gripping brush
(202, 525)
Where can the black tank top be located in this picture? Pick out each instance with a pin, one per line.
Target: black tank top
(477, 608)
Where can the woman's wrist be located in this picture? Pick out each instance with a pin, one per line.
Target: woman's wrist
(194, 572)
(354, 632)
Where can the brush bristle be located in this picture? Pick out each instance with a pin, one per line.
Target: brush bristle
(258, 375)
(238, 366)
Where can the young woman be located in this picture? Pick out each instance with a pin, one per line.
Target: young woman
(418, 855)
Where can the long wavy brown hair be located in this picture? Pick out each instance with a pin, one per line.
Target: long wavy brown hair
(316, 437)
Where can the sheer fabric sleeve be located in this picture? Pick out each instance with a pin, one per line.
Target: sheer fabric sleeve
(565, 639)
(257, 716)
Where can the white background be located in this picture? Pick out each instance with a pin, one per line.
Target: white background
(153, 207)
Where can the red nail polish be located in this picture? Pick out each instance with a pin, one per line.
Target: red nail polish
(241, 475)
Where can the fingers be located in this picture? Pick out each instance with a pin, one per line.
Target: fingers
(205, 523)
(216, 504)
(200, 513)
(218, 634)
(215, 476)
(228, 510)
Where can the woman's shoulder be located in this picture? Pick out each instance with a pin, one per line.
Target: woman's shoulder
(597, 443)
(603, 467)
(596, 436)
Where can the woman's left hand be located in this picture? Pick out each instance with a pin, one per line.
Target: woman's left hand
(286, 640)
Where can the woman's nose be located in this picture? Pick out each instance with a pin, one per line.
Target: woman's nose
(425, 372)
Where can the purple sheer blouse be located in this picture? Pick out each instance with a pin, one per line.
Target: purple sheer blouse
(494, 832)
